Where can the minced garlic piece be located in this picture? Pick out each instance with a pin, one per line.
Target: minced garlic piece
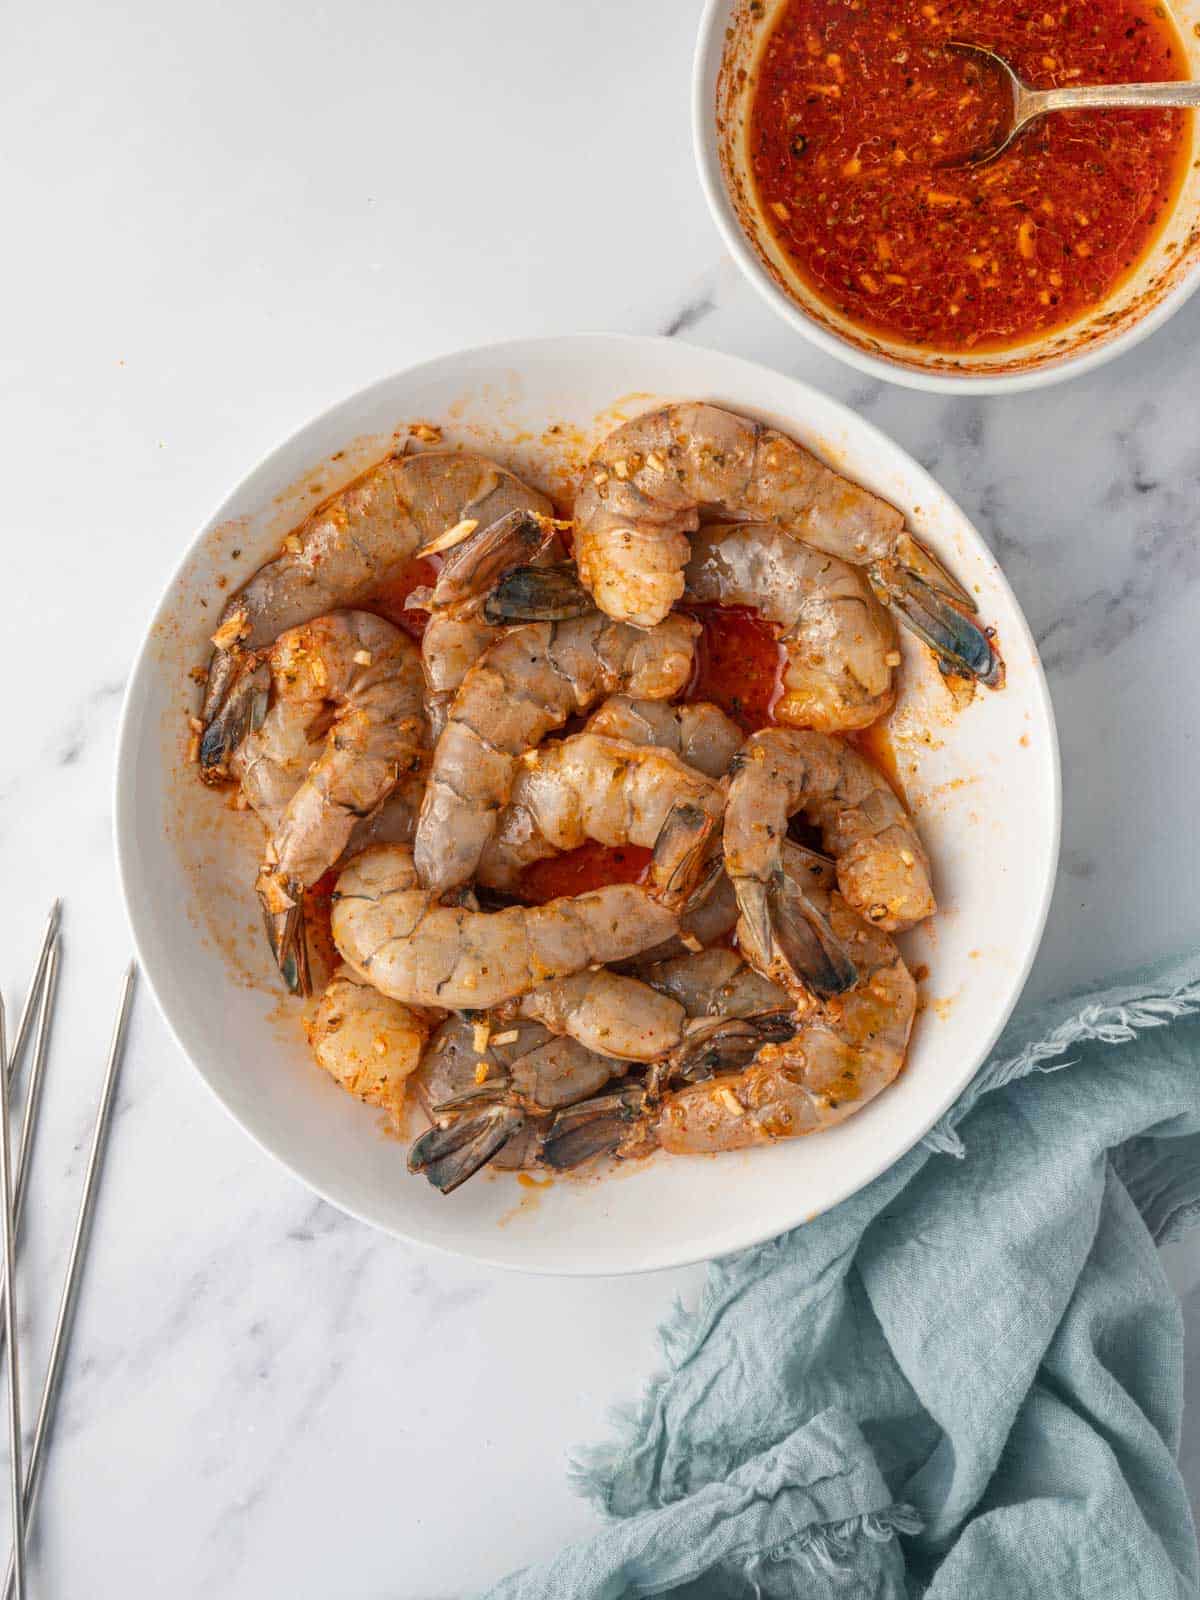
(452, 536)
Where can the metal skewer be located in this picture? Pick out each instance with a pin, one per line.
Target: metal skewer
(66, 1306)
(26, 1017)
(33, 1095)
(33, 1101)
(10, 1329)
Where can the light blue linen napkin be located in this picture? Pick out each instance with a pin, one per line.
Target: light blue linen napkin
(964, 1383)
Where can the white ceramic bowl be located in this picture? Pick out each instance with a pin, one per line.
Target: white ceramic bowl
(984, 782)
(731, 35)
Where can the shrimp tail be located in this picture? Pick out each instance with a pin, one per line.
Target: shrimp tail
(791, 939)
(593, 1128)
(726, 1044)
(923, 564)
(449, 1156)
(684, 862)
(803, 937)
(239, 688)
(538, 594)
(960, 644)
(289, 945)
(481, 560)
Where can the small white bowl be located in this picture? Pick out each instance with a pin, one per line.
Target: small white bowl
(732, 33)
(984, 783)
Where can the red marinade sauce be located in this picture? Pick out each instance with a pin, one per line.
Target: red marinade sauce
(388, 600)
(591, 866)
(858, 101)
(739, 664)
(318, 910)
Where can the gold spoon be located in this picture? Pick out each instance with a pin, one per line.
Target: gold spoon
(1028, 103)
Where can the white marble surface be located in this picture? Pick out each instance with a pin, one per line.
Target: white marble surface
(221, 218)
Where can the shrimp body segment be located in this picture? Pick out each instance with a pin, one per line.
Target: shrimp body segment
(699, 733)
(590, 787)
(362, 678)
(882, 868)
(359, 539)
(839, 643)
(392, 931)
(527, 684)
(614, 1015)
(370, 1045)
(641, 499)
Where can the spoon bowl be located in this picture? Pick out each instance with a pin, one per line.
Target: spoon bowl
(1026, 103)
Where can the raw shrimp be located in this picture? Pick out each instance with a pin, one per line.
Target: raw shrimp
(643, 1019)
(839, 643)
(274, 783)
(458, 631)
(882, 869)
(842, 1053)
(394, 933)
(355, 542)
(641, 499)
(527, 684)
(617, 793)
(700, 734)
(359, 678)
(491, 1094)
(615, 1015)
(368, 1044)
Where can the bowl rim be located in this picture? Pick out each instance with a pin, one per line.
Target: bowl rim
(710, 39)
(124, 839)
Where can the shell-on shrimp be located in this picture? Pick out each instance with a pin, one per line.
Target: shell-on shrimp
(269, 785)
(841, 1054)
(527, 684)
(392, 931)
(491, 1093)
(462, 622)
(370, 1045)
(352, 544)
(648, 481)
(358, 677)
(698, 733)
(839, 643)
(590, 787)
(670, 1022)
(614, 1015)
(882, 868)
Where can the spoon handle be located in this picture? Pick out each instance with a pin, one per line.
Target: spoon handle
(1111, 96)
